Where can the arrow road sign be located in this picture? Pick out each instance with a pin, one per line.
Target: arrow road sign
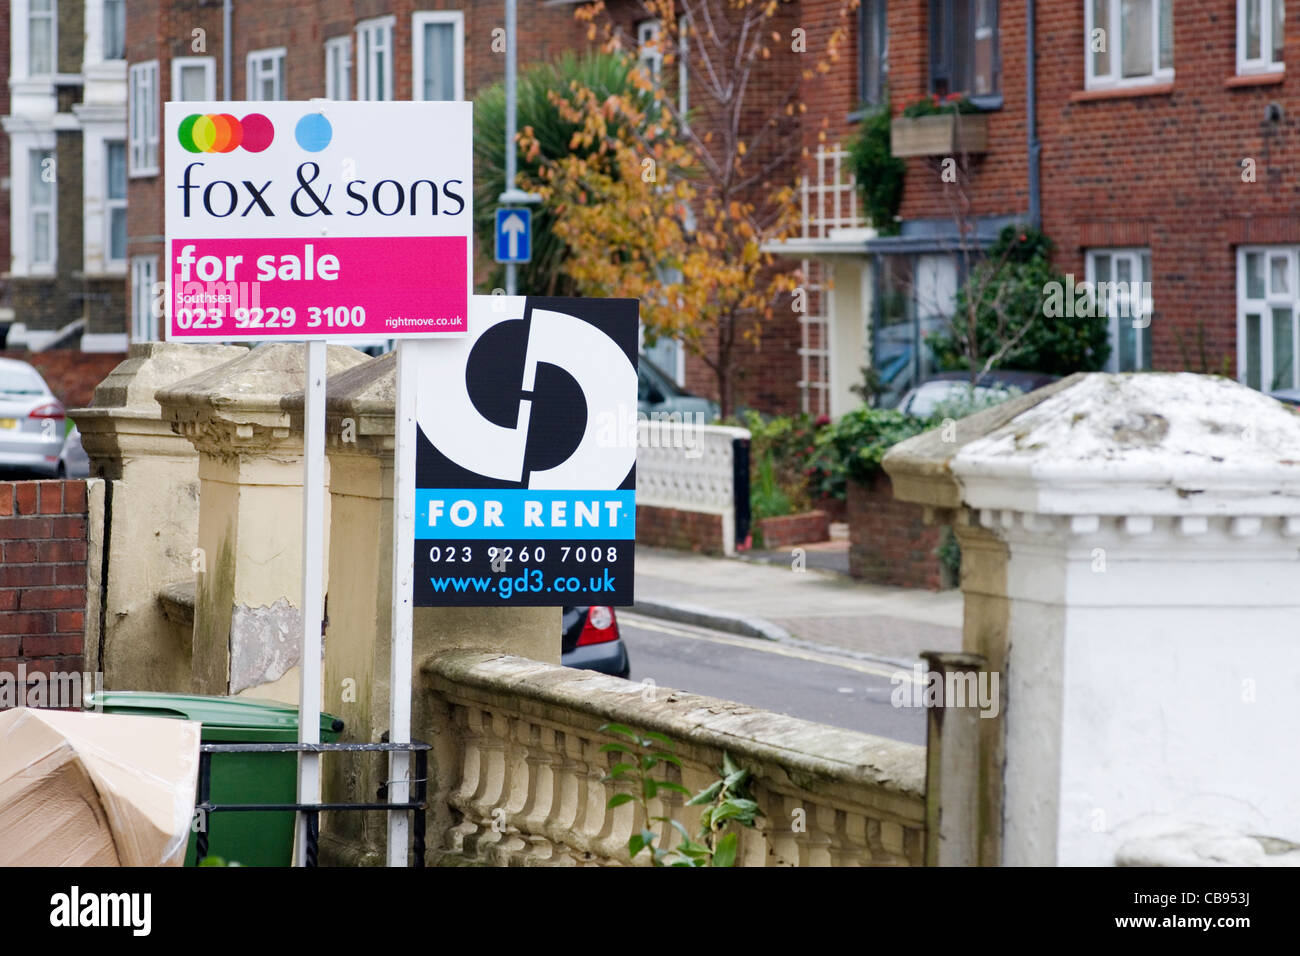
(514, 235)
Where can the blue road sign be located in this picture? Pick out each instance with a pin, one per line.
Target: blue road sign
(514, 235)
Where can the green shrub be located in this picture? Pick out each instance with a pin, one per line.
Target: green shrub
(934, 105)
(879, 173)
(853, 447)
(780, 452)
(1016, 273)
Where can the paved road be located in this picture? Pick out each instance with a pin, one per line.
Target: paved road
(814, 685)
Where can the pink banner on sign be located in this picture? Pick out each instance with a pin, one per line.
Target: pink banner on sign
(233, 289)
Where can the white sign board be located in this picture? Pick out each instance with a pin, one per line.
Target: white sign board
(525, 435)
(320, 220)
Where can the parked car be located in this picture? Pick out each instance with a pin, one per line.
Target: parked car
(1290, 396)
(994, 385)
(33, 423)
(658, 394)
(75, 461)
(591, 641)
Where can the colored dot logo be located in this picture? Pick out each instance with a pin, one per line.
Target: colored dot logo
(223, 133)
(313, 132)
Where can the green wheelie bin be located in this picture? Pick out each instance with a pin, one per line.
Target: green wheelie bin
(250, 838)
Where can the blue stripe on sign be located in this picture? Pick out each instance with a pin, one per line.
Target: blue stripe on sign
(453, 514)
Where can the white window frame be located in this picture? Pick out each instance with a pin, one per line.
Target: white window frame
(1134, 254)
(1273, 298)
(144, 273)
(1264, 63)
(110, 204)
(209, 66)
(31, 211)
(649, 48)
(256, 66)
(338, 67)
(1115, 46)
(103, 31)
(418, 22)
(142, 114)
(368, 33)
(28, 14)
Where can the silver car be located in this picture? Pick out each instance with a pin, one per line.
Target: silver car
(33, 423)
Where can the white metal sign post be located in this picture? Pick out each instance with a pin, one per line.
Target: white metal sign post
(324, 222)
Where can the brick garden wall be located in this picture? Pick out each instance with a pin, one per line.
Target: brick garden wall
(889, 541)
(788, 530)
(684, 530)
(43, 526)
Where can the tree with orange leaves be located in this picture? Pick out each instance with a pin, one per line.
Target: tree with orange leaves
(674, 206)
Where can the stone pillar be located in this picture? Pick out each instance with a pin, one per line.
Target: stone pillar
(247, 618)
(151, 508)
(359, 424)
(1135, 571)
(952, 766)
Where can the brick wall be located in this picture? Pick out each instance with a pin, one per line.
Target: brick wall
(889, 541)
(684, 530)
(42, 575)
(1159, 170)
(788, 530)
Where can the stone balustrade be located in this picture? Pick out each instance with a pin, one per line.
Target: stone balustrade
(517, 772)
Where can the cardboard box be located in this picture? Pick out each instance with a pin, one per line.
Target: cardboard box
(86, 789)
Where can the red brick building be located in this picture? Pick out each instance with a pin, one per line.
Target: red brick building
(296, 50)
(1166, 153)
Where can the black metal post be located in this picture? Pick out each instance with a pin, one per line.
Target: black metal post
(421, 793)
(205, 792)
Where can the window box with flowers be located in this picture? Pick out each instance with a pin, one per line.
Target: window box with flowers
(940, 127)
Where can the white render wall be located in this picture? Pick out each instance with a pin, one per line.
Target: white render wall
(1152, 525)
(689, 467)
(1160, 692)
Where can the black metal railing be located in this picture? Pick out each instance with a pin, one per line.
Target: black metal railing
(418, 803)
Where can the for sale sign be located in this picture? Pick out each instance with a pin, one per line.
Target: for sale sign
(318, 220)
(525, 477)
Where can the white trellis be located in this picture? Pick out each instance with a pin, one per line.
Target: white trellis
(828, 200)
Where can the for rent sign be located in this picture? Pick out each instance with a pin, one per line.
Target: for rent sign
(525, 455)
(318, 220)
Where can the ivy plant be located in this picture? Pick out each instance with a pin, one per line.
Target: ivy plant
(726, 801)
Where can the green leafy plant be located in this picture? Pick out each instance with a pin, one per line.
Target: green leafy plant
(935, 105)
(766, 498)
(783, 455)
(878, 172)
(725, 801)
(854, 446)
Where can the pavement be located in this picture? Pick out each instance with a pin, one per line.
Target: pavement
(760, 598)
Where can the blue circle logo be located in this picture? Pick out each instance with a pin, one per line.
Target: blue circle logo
(313, 132)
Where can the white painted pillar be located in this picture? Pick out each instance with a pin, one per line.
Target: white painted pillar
(1151, 571)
